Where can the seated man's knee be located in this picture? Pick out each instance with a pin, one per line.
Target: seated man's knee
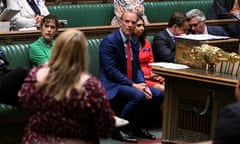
(139, 96)
(157, 94)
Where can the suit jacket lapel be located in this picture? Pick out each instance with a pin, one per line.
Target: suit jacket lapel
(120, 45)
(169, 38)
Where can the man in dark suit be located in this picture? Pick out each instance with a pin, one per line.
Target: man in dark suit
(226, 9)
(164, 46)
(227, 129)
(198, 25)
(113, 55)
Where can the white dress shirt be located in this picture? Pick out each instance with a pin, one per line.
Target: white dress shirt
(26, 17)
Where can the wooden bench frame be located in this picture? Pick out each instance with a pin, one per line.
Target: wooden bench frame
(15, 37)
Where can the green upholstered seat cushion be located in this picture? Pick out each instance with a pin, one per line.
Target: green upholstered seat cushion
(12, 122)
(9, 114)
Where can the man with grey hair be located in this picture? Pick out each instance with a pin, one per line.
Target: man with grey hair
(198, 25)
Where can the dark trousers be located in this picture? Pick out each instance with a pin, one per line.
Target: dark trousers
(10, 83)
(130, 104)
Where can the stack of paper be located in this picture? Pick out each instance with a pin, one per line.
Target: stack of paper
(201, 37)
(169, 65)
(7, 14)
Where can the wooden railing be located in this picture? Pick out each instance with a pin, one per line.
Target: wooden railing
(91, 32)
(16, 37)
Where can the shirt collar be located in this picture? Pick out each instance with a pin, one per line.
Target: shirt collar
(47, 44)
(171, 34)
(205, 29)
(124, 38)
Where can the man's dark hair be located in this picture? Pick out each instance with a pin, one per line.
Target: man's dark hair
(177, 18)
(49, 17)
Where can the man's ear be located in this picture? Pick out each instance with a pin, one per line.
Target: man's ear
(175, 26)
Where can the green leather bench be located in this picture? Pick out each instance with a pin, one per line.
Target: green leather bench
(17, 55)
(13, 119)
(101, 14)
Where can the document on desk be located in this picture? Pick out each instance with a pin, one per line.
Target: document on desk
(202, 37)
(7, 14)
(169, 65)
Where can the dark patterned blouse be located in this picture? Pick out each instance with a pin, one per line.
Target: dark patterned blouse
(52, 121)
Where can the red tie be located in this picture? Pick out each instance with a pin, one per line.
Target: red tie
(129, 60)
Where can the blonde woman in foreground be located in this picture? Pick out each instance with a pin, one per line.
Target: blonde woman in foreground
(66, 104)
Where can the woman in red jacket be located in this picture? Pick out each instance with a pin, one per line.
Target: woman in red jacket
(146, 57)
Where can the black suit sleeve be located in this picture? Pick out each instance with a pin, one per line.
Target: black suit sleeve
(163, 48)
(227, 129)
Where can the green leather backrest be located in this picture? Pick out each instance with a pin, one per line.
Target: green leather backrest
(101, 14)
(93, 48)
(150, 38)
(84, 14)
(161, 11)
(17, 55)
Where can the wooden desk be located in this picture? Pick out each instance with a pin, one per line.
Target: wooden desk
(192, 102)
